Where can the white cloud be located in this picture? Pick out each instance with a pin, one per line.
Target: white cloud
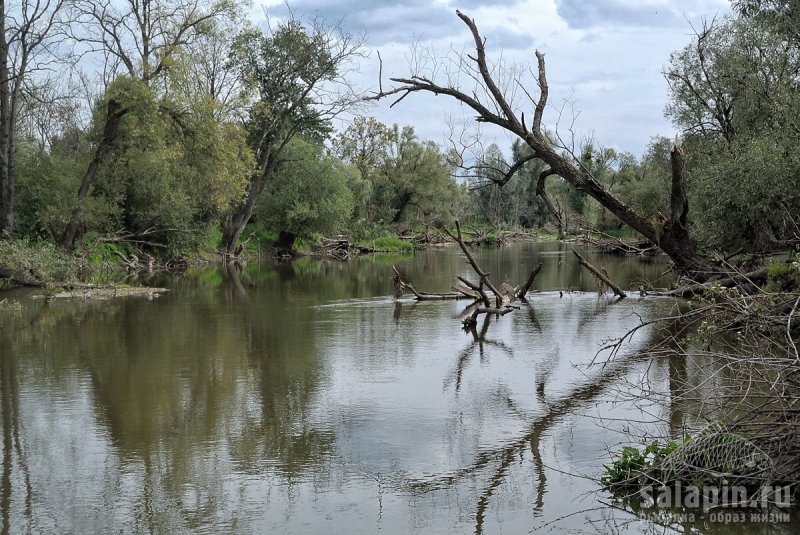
(608, 55)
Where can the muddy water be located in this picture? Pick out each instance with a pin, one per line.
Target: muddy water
(302, 398)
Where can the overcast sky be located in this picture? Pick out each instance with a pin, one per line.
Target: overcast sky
(605, 56)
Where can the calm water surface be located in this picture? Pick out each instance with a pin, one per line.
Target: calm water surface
(302, 398)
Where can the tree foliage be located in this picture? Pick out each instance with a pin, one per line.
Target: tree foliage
(296, 74)
(407, 179)
(308, 194)
(734, 94)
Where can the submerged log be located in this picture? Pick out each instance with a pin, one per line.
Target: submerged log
(106, 293)
(400, 286)
(600, 275)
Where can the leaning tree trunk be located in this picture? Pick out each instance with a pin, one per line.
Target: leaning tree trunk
(491, 106)
(233, 227)
(114, 113)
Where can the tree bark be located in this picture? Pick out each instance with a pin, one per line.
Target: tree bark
(115, 111)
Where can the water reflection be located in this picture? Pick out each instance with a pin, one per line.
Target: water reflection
(302, 397)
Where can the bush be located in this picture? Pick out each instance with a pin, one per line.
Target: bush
(42, 261)
(783, 278)
(390, 243)
(490, 240)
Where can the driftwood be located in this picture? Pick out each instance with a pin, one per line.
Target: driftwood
(482, 304)
(472, 320)
(400, 286)
(484, 277)
(20, 279)
(600, 275)
(24, 279)
(106, 293)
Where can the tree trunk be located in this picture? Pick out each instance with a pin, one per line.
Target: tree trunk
(6, 178)
(114, 113)
(234, 223)
(672, 239)
(285, 243)
(405, 199)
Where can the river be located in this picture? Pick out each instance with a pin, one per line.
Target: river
(303, 398)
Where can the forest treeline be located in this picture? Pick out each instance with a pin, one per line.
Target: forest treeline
(178, 127)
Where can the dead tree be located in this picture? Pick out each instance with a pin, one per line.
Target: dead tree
(492, 106)
(401, 285)
(482, 304)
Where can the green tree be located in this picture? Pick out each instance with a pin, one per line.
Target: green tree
(26, 31)
(296, 77)
(415, 174)
(734, 94)
(173, 169)
(365, 145)
(308, 194)
(402, 171)
(144, 50)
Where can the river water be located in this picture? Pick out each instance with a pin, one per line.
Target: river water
(303, 398)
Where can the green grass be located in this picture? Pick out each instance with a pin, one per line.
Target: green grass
(546, 234)
(783, 278)
(389, 243)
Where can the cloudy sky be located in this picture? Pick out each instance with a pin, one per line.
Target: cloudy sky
(605, 57)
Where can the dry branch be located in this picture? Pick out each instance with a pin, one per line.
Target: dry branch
(600, 275)
(529, 283)
(483, 276)
(472, 320)
(400, 286)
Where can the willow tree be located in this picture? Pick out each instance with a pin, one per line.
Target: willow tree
(296, 74)
(139, 39)
(497, 106)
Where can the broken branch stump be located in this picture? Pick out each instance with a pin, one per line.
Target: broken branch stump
(529, 283)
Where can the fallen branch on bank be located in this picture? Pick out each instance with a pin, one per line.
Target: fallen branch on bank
(28, 281)
(613, 245)
(753, 278)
